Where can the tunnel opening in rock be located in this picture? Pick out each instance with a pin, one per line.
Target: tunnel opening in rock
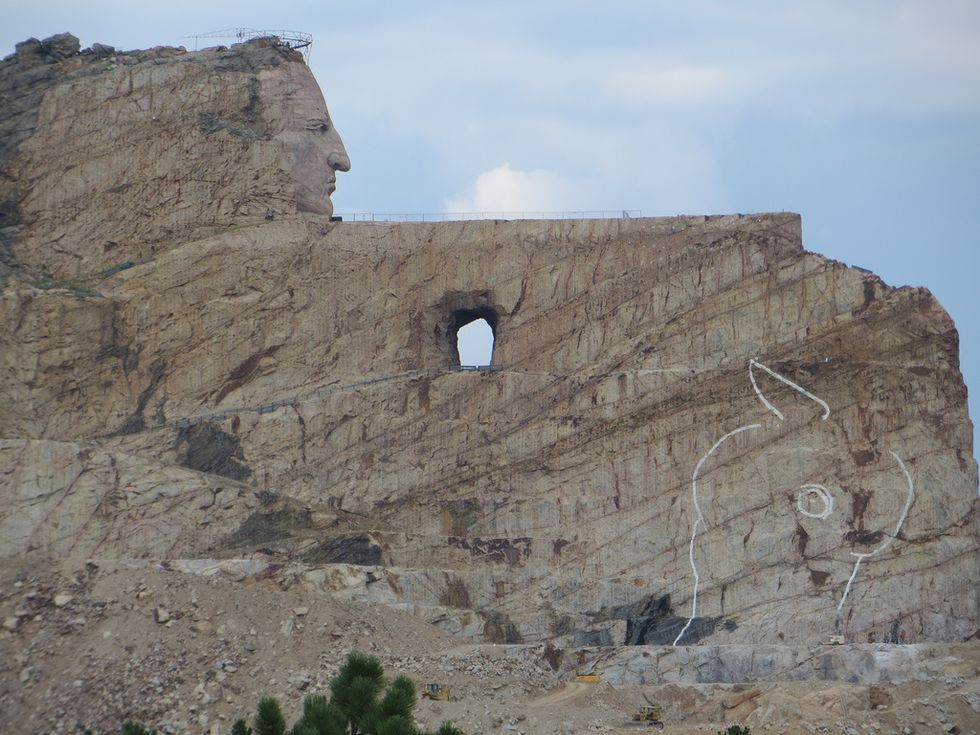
(474, 334)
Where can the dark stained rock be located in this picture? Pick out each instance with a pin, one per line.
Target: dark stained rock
(60, 46)
(206, 448)
(355, 549)
(264, 526)
(499, 628)
(101, 50)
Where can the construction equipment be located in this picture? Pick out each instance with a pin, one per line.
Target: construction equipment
(436, 692)
(835, 640)
(297, 40)
(649, 715)
(590, 678)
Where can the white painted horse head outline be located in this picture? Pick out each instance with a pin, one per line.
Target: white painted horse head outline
(809, 494)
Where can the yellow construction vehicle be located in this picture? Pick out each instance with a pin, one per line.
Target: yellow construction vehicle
(436, 692)
(649, 715)
(591, 678)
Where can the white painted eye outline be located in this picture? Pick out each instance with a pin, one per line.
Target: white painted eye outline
(821, 492)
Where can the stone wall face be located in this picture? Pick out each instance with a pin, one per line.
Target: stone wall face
(695, 431)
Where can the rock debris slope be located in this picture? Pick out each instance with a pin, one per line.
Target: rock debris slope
(695, 431)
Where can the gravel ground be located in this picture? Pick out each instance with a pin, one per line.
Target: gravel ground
(190, 654)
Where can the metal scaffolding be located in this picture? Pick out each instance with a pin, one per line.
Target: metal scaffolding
(292, 39)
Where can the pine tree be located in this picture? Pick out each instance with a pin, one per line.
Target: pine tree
(396, 725)
(353, 708)
(135, 728)
(399, 699)
(322, 717)
(269, 720)
(355, 689)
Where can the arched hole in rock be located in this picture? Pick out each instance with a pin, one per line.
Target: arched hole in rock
(476, 331)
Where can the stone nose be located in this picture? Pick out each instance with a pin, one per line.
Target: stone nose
(338, 160)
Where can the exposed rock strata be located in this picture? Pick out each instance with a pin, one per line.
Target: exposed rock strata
(857, 664)
(199, 345)
(76, 501)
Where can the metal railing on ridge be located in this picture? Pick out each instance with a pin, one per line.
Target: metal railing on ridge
(453, 216)
(297, 40)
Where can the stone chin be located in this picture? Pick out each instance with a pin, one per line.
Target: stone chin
(314, 198)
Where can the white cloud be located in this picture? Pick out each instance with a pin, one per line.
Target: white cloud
(504, 189)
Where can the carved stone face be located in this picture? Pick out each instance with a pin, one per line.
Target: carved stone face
(311, 150)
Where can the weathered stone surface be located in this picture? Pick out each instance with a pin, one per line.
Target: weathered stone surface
(75, 501)
(519, 473)
(667, 392)
(864, 664)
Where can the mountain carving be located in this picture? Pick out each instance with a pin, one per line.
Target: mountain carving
(694, 431)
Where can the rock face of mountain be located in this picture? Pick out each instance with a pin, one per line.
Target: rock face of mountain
(693, 431)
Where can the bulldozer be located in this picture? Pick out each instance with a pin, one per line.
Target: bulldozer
(436, 692)
(649, 715)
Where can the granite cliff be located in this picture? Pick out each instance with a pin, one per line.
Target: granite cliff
(694, 430)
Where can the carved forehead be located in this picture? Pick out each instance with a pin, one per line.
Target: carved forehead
(290, 97)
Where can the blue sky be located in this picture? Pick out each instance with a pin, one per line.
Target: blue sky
(863, 116)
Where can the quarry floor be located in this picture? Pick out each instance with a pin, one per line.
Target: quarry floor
(101, 643)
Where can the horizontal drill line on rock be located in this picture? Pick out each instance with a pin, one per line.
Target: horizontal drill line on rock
(265, 408)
